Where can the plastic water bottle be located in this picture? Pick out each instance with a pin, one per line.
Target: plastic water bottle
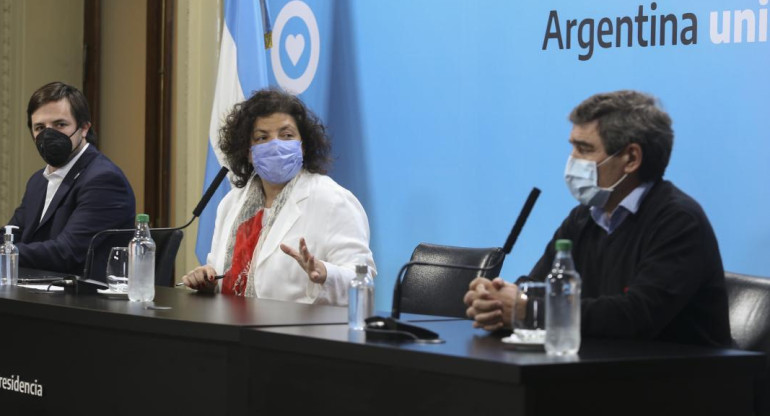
(360, 298)
(141, 262)
(9, 259)
(562, 303)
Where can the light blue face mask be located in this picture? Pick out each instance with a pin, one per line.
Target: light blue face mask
(582, 177)
(277, 161)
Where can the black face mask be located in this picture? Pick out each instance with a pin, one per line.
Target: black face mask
(55, 147)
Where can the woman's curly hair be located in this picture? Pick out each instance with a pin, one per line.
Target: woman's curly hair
(235, 135)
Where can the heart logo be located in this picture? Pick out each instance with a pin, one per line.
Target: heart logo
(295, 45)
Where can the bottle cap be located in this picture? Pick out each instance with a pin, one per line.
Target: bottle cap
(9, 232)
(142, 218)
(563, 245)
(362, 268)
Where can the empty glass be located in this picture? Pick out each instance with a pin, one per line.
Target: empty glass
(117, 269)
(528, 316)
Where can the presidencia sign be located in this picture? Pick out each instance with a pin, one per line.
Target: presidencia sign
(444, 114)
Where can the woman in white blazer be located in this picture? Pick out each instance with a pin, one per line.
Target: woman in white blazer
(285, 231)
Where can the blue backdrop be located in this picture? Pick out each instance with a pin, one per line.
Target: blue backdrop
(445, 113)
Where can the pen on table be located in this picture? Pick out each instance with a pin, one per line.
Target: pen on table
(217, 277)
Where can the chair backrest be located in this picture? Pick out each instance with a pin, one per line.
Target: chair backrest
(748, 298)
(167, 243)
(439, 290)
(749, 301)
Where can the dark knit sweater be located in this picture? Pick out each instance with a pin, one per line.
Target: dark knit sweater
(658, 276)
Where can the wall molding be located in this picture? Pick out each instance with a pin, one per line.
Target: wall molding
(10, 37)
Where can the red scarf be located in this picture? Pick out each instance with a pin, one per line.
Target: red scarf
(246, 238)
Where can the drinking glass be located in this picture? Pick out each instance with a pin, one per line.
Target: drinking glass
(528, 316)
(117, 269)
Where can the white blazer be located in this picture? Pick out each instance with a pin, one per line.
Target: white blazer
(335, 228)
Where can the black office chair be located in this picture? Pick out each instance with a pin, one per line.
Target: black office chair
(167, 243)
(438, 289)
(437, 286)
(749, 303)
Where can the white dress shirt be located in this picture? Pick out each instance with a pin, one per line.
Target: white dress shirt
(56, 177)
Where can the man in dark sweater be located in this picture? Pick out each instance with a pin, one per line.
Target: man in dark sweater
(647, 255)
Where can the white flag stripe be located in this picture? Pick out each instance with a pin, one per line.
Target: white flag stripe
(228, 91)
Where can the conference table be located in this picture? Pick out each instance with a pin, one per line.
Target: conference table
(201, 354)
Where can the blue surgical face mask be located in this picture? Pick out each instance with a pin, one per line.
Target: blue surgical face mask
(582, 179)
(277, 161)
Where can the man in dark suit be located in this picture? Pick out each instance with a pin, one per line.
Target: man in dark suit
(80, 191)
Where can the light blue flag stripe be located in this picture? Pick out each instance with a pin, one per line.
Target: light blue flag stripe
(243, 23)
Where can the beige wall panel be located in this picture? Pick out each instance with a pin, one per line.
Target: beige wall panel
(122, 95)
(40, 41)
(199, 25)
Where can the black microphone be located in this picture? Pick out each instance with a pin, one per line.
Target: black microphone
(512, 237)
(519, 224)
(117, 231)
(209, 193)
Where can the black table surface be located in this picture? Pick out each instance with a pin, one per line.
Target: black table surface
(174, 311)
(191, 314)
(478, 353)
(252, 349)
(475, 372)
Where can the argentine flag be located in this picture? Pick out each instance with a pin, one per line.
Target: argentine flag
(242, 70)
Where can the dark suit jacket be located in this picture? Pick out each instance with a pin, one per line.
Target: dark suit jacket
(95, 195)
